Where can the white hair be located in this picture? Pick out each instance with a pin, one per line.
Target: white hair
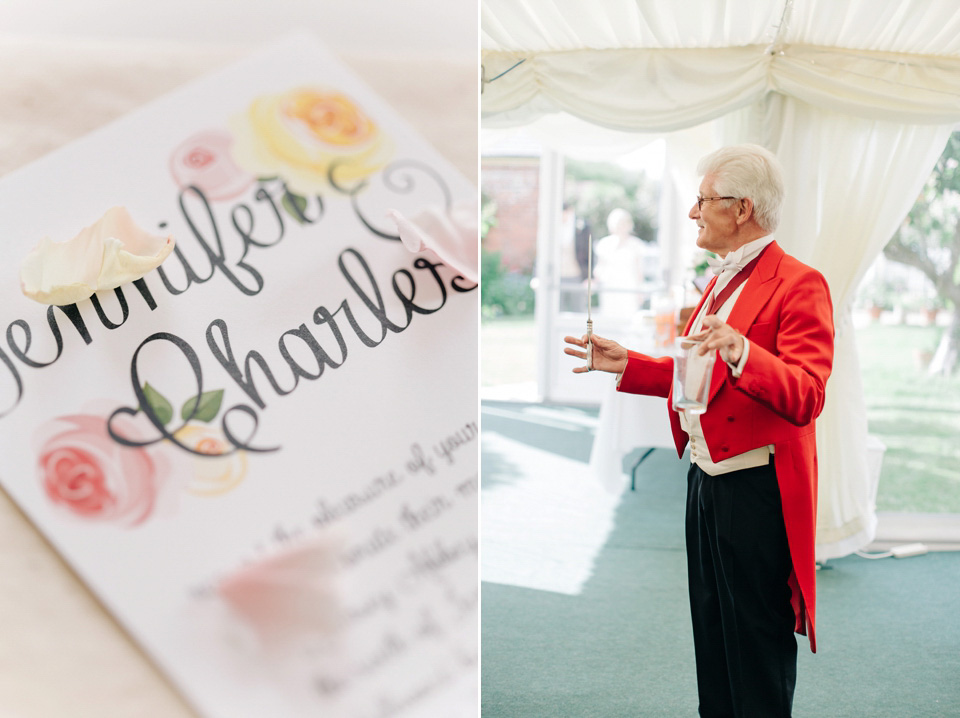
(616, 217)
(748, 171)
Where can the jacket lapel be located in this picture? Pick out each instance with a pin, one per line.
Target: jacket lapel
(756, 292)
(703, 298)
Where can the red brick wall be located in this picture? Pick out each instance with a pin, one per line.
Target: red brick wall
(514, 184)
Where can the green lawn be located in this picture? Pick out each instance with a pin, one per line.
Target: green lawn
(508, 351)
(916, 416)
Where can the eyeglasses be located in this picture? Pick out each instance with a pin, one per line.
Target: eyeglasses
(701, 200)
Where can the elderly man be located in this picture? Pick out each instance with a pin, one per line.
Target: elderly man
(752, 484)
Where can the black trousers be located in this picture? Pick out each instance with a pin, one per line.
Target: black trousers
(738, 564)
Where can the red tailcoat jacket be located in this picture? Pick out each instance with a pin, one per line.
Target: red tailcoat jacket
(785, 311)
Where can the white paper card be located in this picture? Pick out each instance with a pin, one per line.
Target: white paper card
(291, 394)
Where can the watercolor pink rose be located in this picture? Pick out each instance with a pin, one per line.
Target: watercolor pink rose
(86, 473)
(89, 475)
(204, 160)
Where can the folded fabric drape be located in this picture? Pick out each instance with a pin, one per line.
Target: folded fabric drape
(850, 181)
(647, 65)
(645, 90)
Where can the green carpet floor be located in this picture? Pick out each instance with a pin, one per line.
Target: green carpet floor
(888, 630)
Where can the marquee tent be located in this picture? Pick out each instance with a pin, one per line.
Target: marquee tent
(856, 97)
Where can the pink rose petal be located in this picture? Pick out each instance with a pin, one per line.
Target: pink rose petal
(452, 236)
(288, 594)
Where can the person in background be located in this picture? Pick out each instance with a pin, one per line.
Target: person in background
(574, 250)
(623, 265)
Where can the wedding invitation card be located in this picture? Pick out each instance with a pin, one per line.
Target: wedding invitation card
(261, 456)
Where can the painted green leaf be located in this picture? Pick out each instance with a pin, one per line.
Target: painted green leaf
(206, 408)
(158, 404)
(295, 206)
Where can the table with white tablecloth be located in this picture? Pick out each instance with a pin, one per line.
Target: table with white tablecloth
(628, 423)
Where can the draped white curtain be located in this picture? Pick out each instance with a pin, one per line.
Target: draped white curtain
(857, 98)
(850, 182)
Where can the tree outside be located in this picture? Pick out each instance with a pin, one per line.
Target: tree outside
(597, 188)
(502, 293)
(929, 240)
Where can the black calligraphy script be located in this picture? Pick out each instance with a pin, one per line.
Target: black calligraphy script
(369, 315)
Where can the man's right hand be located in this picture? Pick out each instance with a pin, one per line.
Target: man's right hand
(607, 354)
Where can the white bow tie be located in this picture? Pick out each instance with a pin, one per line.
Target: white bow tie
(727, 263)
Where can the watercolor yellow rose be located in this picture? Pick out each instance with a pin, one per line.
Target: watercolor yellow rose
(299, 134)
(216, 472)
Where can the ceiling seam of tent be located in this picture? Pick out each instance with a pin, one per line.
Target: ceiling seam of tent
(776, 47)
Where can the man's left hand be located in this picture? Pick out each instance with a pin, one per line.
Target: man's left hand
(719, 335)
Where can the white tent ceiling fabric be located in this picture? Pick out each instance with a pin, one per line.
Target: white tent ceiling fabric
(643, 65)
(921, 27)
(857, 98)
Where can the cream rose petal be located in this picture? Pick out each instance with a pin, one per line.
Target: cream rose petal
(108, 253)
(452, 235)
